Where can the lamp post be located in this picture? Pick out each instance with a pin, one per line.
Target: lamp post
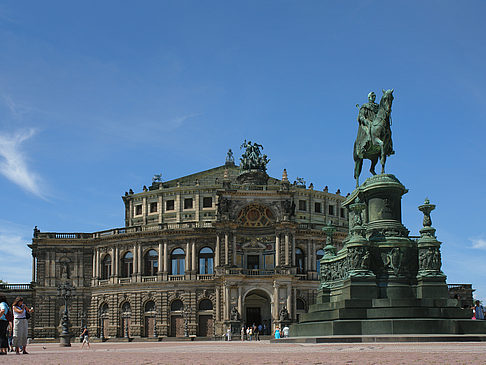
(65, 292)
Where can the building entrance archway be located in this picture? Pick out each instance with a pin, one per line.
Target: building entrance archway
(257, 309)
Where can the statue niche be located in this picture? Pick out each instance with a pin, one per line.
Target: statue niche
(255, 215)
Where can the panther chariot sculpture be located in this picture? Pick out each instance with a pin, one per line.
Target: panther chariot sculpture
(374, 140)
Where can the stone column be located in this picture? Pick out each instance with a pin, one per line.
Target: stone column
(166, 259)
(276, 300)
(289, 300)
(193, 251)
(112, 273)
(94, 264)
(144, 209)
(309, 256)
(178, 206)
(98, 263)
(140, 259)
(314, 255)
(294, 299)
(131, 213)
(277, 250)
(286, 249)
(217, 251)
(33, 268)
(218, 303)
(116, 261)
(53, 268)
(160, 210)
(188, 262)
(160, 261)
(226, 249)
(135, 262)
(293, 250)
(226, 302)
(234, 249)
(240, 302)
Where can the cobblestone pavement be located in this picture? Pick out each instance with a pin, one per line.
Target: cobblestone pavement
(262, 352)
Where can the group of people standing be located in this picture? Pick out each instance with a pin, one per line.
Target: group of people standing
(14, 325)
(252, 332)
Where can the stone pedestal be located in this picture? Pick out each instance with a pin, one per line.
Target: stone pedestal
(382, 282)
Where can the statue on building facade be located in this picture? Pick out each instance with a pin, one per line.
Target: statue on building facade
(253, 159)
(230, 159)
(234, 315)
(374, 139)
(284, 314)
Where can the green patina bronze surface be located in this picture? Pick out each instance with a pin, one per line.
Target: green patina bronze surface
(374, 141)
(382, 281)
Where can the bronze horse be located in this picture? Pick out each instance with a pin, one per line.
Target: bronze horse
(375, 138)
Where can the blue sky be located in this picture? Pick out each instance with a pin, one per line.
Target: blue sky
(97, 97)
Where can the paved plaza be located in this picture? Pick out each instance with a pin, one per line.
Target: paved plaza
(262, 352)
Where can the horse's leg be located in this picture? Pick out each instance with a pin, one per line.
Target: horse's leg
(380, 143)
(374, 161)
(357, 170)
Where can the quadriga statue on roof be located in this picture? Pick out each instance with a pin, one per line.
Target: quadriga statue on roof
(253, 159)
(374, 139)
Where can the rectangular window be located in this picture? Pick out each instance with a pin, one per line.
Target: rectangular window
(153, 207)
(269, 261)
(343, 214)
(207, 202)
(331, 210)
(302, 205)
(188, 203)
(138, 209)
(169, 205)
(317, 207)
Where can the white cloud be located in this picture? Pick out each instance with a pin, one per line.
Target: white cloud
(479, 243)
(13, 163)
(15, 260)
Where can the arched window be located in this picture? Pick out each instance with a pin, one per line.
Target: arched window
(299, 260)
(104, 309)
(151, 263)
(300, 304)
(319, 256)
(106, 267)
(205, 305)
(176, 305)
(127, 265)
(126, 308)
(150, 306)
(206, 259)
(177, 259)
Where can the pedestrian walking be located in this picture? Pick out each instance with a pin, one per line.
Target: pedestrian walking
(85, 336)
(286, 331)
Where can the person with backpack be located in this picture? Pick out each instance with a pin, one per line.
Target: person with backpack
(4, 309)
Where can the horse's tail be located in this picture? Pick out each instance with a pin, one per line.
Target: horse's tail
(355, 153)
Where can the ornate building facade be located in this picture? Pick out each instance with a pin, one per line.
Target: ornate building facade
(226, 245)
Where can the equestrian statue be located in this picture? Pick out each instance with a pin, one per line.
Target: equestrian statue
(374, 134)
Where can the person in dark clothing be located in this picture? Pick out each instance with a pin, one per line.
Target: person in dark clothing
(3, 325)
